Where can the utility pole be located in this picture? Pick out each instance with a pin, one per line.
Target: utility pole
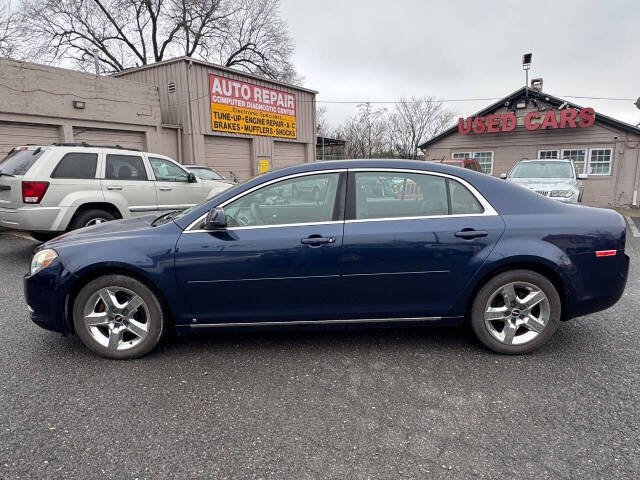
(96, 61)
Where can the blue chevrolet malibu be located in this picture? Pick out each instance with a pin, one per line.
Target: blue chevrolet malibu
(353, 242)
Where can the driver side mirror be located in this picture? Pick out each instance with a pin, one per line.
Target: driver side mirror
(503, 176)
(215, 219)
(191, 178)
(583, 176)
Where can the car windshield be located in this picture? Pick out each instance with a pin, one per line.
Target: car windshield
(174, 215)
(206, 174)
(550, 169)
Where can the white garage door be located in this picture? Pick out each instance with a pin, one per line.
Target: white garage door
(228, 154)
(103, 136)
(286, 154)
(17, 134)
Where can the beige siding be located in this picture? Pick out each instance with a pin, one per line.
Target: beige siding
(286, 154)
(228, 154)
(43, 91)
(102, 136)
(17, 134)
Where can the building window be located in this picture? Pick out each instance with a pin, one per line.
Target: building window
(578, 157)
(461, 155)
(548, 154)
(485, 159)
(600, 161)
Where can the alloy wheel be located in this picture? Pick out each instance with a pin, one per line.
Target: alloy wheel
(517, 313)
(117, 318)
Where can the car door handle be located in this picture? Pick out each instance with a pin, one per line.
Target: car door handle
(164, 189)
(315, 240)
(470, 233)
(114, 187)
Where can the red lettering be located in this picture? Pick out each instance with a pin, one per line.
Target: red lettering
(550, 120)
(568, 117)
(528, 120)
(479, 125)
(493, 123)
(509, 122)
(464, 130)
(587, 117)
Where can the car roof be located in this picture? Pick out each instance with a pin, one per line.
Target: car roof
(545, 160)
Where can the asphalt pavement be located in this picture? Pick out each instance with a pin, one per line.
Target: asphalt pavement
(356, 404)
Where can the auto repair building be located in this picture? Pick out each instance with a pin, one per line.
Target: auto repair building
(193, 111)
(532, 124)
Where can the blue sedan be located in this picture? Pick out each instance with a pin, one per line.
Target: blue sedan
(375, 242)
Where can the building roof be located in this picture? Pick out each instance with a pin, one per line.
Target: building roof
(538, 95)
(217, 67)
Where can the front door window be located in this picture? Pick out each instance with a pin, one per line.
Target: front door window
(307, 199)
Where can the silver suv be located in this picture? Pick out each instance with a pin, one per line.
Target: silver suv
(46, 190)
(556, 179)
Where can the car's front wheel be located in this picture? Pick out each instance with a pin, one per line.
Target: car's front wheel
(119, 317)
(516, 312)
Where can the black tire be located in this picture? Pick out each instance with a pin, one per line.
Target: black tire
(485, 293)
(157, 316)
(44, 236)
(84, 219)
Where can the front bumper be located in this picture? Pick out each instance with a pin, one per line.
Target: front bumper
(46, 295)
(36, 218)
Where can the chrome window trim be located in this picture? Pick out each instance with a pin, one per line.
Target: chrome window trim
(190, 228)
(488, 208)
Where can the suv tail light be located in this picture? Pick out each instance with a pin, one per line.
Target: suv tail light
(32, 192)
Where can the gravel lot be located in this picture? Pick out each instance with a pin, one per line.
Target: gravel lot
(414, 403)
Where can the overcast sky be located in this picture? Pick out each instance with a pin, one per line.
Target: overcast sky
(358, 50)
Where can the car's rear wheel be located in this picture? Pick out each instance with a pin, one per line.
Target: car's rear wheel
(119, 317)
(516, 312)
(91, 217)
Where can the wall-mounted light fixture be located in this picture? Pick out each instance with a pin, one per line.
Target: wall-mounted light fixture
(78, 104)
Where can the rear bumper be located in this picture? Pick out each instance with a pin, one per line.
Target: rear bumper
(45, 294)
(603, 281)
(35, 219)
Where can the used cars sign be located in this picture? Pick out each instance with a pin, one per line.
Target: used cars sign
(240, 107)
(507, 122)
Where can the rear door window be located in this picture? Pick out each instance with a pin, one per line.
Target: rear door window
(125, 167)
(19, 161)
(76, 165)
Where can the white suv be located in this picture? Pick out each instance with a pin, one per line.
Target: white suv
(47, 190)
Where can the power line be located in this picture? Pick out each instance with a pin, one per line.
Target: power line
(446, 100)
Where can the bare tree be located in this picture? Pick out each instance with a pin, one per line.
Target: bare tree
(9, 31)
(127, 33)
(364, 133)
(412, 122)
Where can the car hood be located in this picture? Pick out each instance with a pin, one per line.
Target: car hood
(545, 183)
(115, 228)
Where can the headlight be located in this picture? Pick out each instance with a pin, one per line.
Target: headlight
(562, 193)
(42, 259)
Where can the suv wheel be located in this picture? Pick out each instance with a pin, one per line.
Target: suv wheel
(516, 312)
(119, 317)
(90, 217)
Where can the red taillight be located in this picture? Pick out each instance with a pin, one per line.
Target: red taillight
(32, 192)
(605, 253)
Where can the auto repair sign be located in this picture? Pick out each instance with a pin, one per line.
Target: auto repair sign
(507, 122)
(240, 107)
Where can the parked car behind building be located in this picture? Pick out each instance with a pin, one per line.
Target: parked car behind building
(47, 190)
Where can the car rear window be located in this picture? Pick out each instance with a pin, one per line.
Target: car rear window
(76, 165)
(19, 161)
